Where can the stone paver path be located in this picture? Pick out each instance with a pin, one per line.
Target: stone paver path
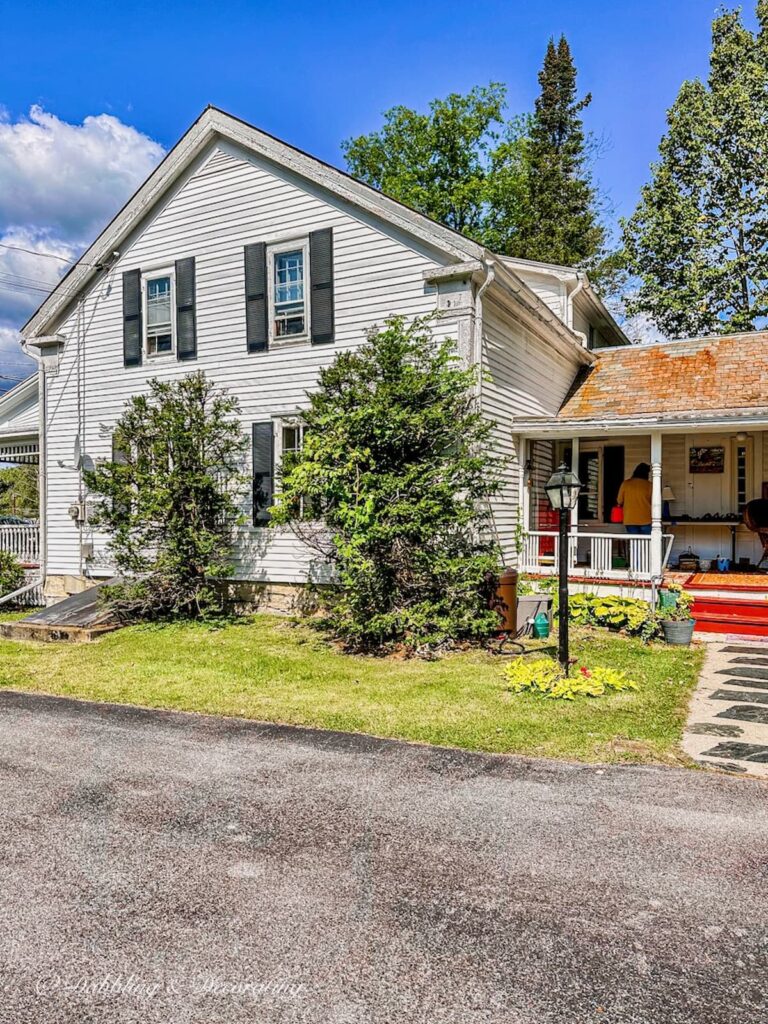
(728, 718)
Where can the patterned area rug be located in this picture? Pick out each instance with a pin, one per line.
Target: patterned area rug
(728, 580)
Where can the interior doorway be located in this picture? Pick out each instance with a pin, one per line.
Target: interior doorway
(601, 470)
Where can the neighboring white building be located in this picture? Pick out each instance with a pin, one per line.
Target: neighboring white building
(248, 259)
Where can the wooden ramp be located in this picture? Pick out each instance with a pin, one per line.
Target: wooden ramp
(79, 619)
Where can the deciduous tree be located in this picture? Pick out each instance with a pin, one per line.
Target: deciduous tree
(698, 240)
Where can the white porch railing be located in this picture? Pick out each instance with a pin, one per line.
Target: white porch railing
(23, 542)
(602, 555)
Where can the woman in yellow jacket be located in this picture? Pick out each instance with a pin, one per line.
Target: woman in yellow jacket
(635, 498)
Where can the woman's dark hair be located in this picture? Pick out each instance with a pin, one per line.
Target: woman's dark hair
(642, 471)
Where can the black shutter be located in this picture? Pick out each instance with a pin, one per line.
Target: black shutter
(256, 296)
(321, 283)
(186, 329)
(263, 471)
(132, 342)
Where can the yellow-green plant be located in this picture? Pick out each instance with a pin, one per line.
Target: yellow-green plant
(544, 678)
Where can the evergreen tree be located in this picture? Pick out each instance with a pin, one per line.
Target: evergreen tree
(698, 240)
(395, 460)
(561, 222)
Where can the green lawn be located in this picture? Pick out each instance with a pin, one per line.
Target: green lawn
(275, 670)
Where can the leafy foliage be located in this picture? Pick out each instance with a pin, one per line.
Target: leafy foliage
(19, 491)
(171, 498)
(698, 240)
(631, 614)
(396, 458)
(520, 185)
(11, 573)
(680, 611)
(545, 678)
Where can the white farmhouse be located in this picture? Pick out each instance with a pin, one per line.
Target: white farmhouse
(257, 263)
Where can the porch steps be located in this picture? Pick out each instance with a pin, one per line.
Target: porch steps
(745, 616)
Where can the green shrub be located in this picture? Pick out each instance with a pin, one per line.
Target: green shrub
(544, 678)
(11, 573)
(398, 458)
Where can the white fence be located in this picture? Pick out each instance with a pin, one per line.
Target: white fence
(595, 555)
(23, 542)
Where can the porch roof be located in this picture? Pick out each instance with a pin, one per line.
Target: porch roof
(714, 381)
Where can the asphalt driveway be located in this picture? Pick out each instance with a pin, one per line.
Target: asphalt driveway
(168, 868)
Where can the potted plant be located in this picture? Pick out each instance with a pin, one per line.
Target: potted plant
(677, 622)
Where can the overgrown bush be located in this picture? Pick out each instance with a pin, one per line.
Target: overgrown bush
(396, 458)
(11, 573)
(545, 678)
(171, 498)
(633, 615)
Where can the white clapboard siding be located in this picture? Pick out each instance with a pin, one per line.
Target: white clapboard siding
(526, 377)
(548, 287)
(227, 200)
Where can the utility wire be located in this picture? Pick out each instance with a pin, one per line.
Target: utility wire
(36, 252)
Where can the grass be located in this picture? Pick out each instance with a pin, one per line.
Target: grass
(276, 670)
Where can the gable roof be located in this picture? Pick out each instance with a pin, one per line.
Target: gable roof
(212, 124)
(672, 382)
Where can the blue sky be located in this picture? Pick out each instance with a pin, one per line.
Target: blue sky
(311, 73)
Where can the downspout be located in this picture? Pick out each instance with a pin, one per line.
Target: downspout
(42, 482)
(490, 277)
(580, 282)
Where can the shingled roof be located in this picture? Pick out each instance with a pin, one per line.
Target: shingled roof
(699, 375)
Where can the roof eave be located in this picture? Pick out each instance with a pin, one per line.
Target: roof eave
(722, 419)
(214, 123)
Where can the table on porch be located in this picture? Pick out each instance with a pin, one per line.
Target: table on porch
(732, 525)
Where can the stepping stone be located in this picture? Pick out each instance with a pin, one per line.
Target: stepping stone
(746, 713)
(740, 751)
(713, 729)
(750, 673)
(755, 684)
(726, 766)
(743, 660)
(747, 698)
(740, 649)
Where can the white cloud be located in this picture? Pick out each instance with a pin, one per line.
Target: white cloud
(14, 365)
(70, 179)
(60, 184)
(25, 277)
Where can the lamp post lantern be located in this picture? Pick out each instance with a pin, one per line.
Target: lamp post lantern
(563, 489)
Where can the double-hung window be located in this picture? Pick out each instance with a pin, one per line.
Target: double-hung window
(291, 443)
(288, 269)
(158, 313)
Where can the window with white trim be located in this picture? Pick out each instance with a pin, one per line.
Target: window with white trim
(288, 270)
(159, 333)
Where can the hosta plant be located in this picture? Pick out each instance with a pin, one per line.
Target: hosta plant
(545, 678)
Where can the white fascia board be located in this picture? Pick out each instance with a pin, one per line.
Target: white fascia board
(213, 124)
(550, 428)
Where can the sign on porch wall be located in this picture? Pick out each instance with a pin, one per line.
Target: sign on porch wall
(706, 460)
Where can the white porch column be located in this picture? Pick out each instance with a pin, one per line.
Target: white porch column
(524, 504)
(575, 469)
(574, 542)
(656, 505)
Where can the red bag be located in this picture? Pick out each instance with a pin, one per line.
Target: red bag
(617, 514)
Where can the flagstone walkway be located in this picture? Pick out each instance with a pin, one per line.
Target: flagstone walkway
(728, 718)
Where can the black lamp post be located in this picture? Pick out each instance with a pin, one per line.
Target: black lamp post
(563, 489)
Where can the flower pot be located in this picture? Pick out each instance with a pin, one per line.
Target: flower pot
(679, 633)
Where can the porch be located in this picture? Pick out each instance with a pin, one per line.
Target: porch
(701, 482)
